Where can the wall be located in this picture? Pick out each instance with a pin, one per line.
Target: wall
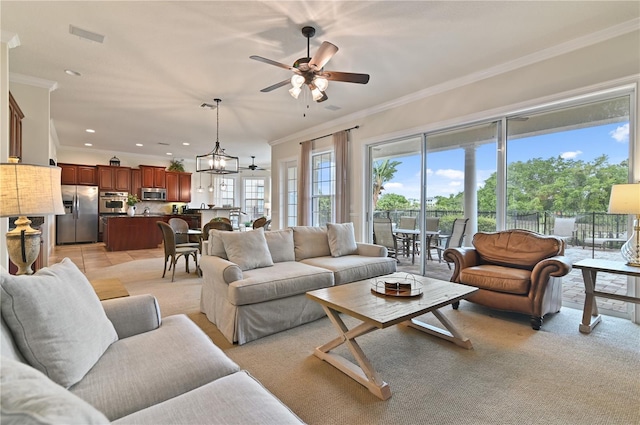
(591, 68)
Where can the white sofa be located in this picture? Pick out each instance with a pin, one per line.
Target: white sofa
(254, 283)
(68, 358)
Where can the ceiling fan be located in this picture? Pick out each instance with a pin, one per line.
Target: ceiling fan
(253, 166)
(310, 71)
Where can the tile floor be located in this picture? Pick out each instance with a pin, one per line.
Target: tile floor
(91, 257)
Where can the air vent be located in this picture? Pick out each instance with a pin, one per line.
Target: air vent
(332, 108)
(164, 144)
(88, 35)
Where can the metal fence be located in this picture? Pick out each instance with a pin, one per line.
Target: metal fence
(591, 228)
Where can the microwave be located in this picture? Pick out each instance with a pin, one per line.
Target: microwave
(153, 194)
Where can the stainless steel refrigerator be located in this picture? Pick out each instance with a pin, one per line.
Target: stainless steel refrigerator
(80, 221)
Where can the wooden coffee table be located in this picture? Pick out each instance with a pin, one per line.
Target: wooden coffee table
(377, 311)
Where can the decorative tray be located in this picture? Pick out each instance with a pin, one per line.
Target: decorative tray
(397, 286)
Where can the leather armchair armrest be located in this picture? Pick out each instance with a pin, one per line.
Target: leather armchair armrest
(557, 266)
(133, 315)
(461, 258)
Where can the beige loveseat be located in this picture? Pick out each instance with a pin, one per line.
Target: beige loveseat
(254, 282)
(515, 270)
(68, 359)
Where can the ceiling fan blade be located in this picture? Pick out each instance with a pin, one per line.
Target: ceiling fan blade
(271, 62)
(276, 85)
(347, 77)
(323, 98)
(322, 56)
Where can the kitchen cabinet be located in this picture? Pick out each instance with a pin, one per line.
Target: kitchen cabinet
(178, 186)
(114, 178)
(136, 182)
(15, 128)
(153, 176)
(75, 174)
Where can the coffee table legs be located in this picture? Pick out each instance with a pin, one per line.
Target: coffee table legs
(364, 372)
(590, 315)
(451, 334)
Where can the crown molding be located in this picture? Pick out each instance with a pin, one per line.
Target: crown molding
(542, 55)
(33, 81)
(11, 39)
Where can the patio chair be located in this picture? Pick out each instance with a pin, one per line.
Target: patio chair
(408, 241)
(383, 235)
(565, 229)
(452, 241)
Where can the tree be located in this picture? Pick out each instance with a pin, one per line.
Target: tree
(451, 203)
(393, 201)
(383, 172)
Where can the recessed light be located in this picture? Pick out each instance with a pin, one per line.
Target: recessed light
(72, 73)
(88, 144)
(90, 130)
(185, 143)
(169, 153)
(139, 144)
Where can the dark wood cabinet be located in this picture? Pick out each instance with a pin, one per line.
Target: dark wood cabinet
(15, 128)
(153, 176)
(85, 175)
(114, 178)
(136, 182)
(178, 186)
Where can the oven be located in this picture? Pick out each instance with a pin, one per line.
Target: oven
(113, 203)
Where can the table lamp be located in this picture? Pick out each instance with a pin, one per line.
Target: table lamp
(625, 199)
(28, 190)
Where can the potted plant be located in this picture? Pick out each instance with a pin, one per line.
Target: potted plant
(132, 200)
(176, 165)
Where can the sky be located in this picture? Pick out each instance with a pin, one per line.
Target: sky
(445, 170)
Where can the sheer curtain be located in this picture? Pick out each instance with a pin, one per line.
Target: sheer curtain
(341, 151)
(304, 200)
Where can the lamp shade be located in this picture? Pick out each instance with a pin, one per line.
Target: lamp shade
(28, 190)
(625, 199)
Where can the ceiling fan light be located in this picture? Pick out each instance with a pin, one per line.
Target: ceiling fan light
(297, 80)
(295, 92)
(316, 94)
(321, 83)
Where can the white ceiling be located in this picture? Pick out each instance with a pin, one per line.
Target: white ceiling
(161, 60)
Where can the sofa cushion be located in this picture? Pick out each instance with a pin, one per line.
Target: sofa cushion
(280, 281)
(57, 321)
(310, 241)
(497, 278)
(248, 250)
(516, 248)
(280, 243)
(149, 368)
(29, 397)
(342, 239)
(351, 268)
(216, 246)
(234, 399)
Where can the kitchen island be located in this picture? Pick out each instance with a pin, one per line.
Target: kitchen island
(124, 233)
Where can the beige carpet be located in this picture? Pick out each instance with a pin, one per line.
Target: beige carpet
(514, 375)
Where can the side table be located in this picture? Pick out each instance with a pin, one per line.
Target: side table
(590, 268)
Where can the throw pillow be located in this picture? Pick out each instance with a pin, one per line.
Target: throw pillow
(248, 250)
(57, 321)
(310, 242)
(342, 239)
(28, 397)
(280, 243)
(216, 246)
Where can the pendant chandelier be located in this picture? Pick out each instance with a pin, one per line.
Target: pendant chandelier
(217, 161)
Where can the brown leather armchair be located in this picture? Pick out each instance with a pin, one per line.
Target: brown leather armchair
(515, 270)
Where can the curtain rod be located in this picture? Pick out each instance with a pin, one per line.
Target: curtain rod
(327, 135)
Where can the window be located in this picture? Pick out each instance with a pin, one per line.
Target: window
(254, 197)
(322, 188)
(291, 200)
(226, 191)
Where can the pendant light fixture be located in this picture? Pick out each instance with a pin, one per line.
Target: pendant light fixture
(217, 161)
